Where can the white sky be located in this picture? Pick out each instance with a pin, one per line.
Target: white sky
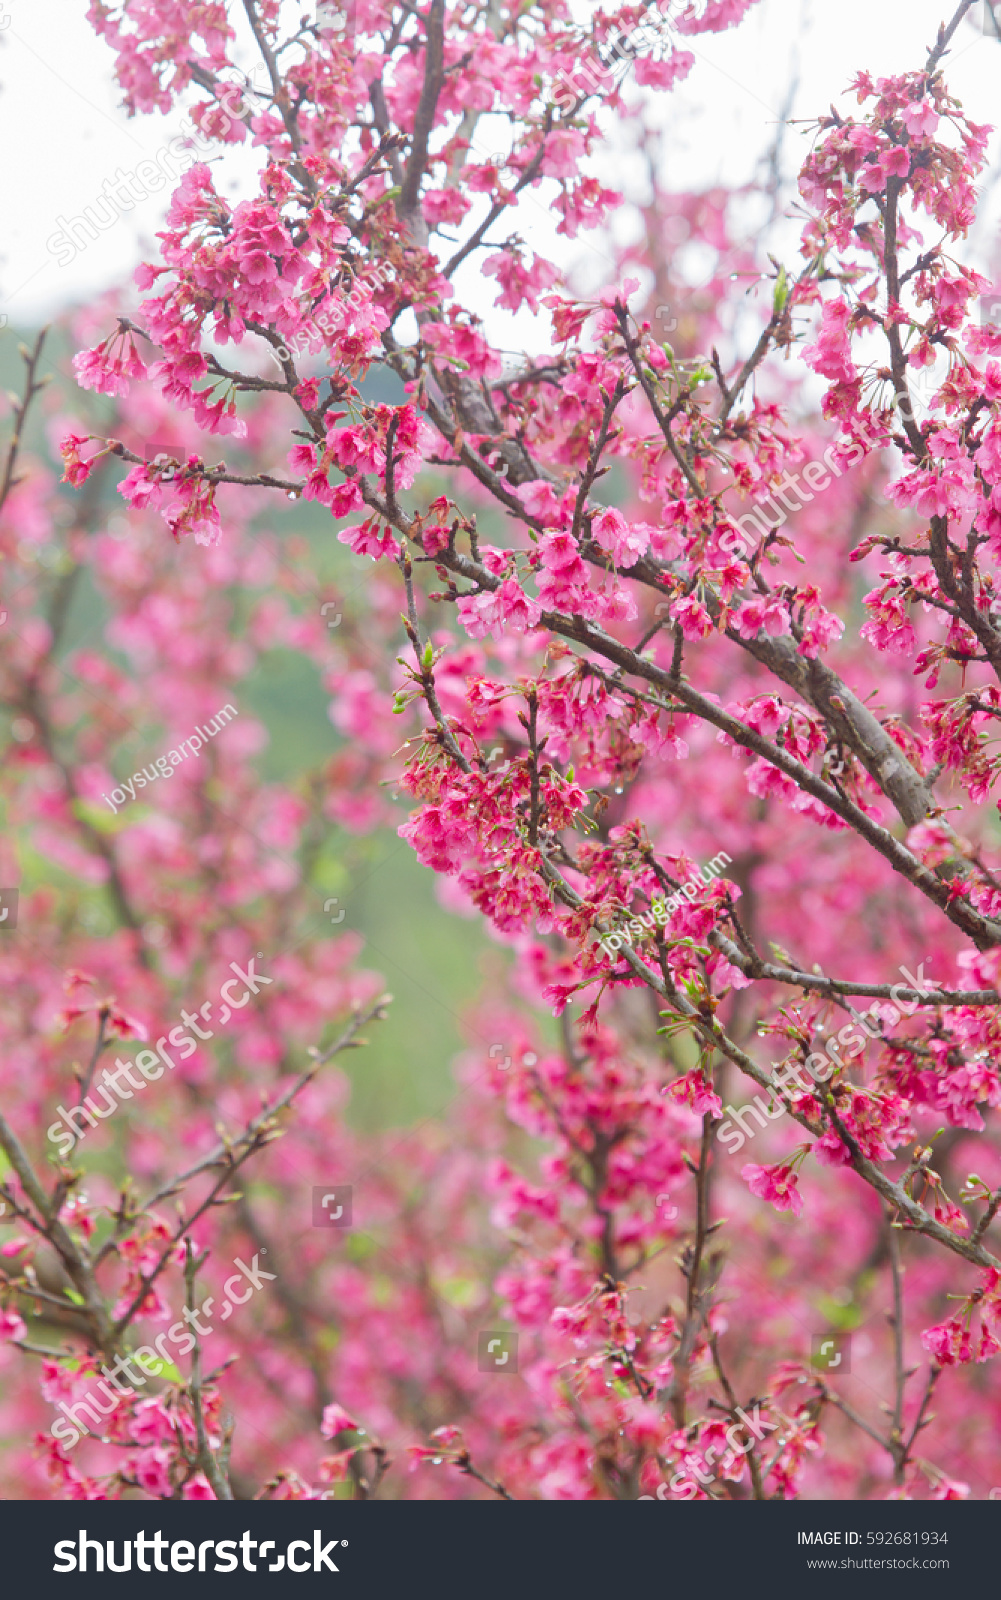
(63, 133)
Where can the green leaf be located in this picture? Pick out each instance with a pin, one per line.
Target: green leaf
(101, 819)
(781, 294)
(463, 1293)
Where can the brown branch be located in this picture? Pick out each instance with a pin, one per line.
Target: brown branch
(696, 1292)
(499, 207)
(465, 1465)
(31, 389)
(206, 1458)
(945, 36)
(434, 78)
(897, 1447)
(224, 1150)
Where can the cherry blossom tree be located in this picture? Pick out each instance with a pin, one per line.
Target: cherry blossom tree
(637, 602)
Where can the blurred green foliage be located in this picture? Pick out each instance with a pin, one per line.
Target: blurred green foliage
(429, 960)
